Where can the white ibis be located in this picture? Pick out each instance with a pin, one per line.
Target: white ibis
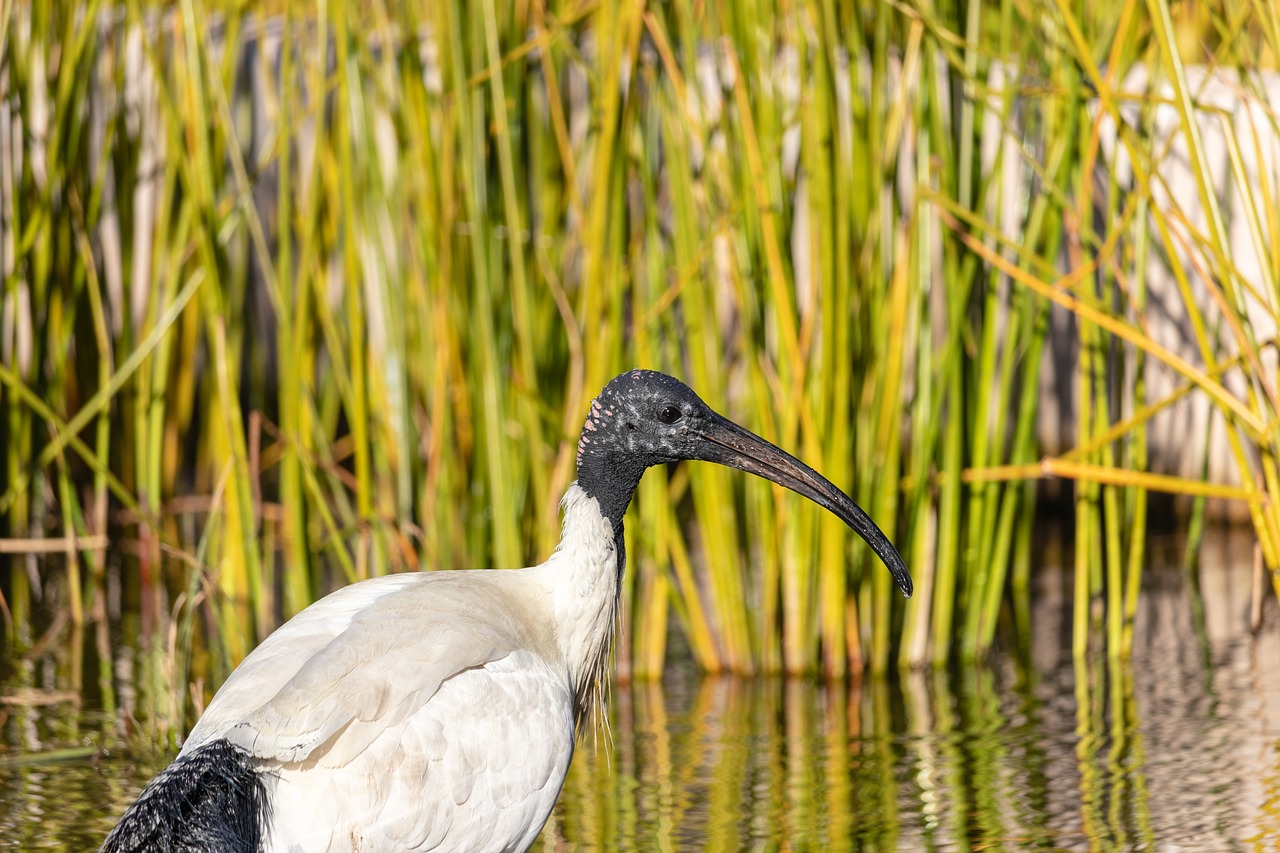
(438, 711)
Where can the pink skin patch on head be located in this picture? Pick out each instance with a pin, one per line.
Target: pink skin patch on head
(592, 424)
(594, 418)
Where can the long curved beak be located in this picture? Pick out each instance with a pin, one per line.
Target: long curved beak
(729, 444)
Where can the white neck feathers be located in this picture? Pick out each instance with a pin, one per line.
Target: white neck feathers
(584, 575)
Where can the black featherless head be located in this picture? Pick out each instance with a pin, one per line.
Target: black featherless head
(643, 418)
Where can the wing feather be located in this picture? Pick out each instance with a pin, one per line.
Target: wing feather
(361, 662)
(476, 768)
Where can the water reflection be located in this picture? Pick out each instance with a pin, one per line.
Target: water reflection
(1181, 750)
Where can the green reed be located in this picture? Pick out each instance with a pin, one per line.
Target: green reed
(313, 295)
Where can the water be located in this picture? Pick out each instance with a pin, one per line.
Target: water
(1178, 751)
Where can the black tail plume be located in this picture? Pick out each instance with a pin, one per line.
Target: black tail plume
(212, 799)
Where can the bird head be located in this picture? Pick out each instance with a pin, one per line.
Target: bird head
(644, 418)
(644, 415)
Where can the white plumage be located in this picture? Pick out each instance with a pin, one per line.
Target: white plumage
(408, 718)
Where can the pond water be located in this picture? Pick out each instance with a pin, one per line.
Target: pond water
(1179, 750)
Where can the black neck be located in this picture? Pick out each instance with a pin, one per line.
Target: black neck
(611, 479)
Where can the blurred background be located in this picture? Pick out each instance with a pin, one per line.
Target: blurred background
(296, 294)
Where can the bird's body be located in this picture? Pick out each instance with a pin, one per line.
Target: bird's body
(388, 688)
(433, 711)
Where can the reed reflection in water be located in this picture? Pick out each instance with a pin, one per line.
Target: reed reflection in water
(1179, 750)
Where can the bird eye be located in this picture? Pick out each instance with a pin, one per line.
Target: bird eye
(669, 414)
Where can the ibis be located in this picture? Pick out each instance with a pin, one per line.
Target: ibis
(438, 711)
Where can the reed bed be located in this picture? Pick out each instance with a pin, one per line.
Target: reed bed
(297, 296)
